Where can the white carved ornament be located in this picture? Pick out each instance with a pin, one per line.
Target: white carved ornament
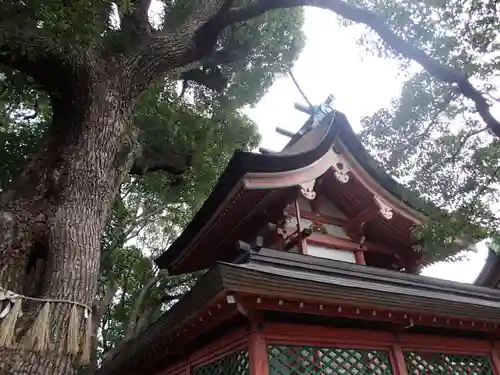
(307, 189)
(384, 208)
(340, 167)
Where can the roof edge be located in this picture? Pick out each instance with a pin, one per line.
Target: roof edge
(490, 273)
(240, 164)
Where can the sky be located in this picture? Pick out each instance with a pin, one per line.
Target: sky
(333, 63)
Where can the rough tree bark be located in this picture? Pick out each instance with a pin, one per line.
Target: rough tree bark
(60, 201)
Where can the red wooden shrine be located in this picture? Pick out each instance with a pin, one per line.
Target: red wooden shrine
(311, 268)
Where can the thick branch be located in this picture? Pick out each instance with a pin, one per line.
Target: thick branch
(212, 79)
(165, 52)
(370, 19)
(34, 54)
(98, 308)
(197, 39)
(150, 159)
(134, 316)
(108, 296)
(135, 25)
(208, 74)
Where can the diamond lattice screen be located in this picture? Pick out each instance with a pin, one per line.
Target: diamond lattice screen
(418, 363)
(294, 360)
(232, 364)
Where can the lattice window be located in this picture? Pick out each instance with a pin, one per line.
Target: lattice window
(419, 363)
(293, 360)
(232, 364)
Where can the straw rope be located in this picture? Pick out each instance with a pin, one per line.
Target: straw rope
(37, 337)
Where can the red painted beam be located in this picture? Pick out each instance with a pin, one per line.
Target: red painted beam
(347, 244)
(322, 336)
(399, 318)
(359, 256)
(321, 218)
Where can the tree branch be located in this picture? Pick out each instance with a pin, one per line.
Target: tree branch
(207, 73)
(134, 315)
(399, 45)
(108, 296)
(166, 52)
(36, 55)
(151, 159)
(140, 223)
(193, 41)
(210, 78)
(135, 24)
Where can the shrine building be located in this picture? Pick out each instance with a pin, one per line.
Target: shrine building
(310, 268)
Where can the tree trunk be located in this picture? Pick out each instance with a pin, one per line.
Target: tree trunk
(57, 211)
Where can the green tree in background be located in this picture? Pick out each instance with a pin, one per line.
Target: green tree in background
(432, 138)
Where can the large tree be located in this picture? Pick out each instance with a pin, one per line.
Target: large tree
(95, 59)
(149, 210)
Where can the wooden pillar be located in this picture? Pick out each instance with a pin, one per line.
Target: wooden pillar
(302, 242)
(359, 256)
(258, 354)
(188, 369)
(495, 361)
(398, 360)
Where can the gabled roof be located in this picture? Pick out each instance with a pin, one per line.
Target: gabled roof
(269, 274)
(490, 273)
(237, 196)
(239, 199)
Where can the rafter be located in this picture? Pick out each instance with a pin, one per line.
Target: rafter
(356, 224)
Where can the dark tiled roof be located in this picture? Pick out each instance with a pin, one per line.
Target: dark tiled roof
(304, 276)
(490, 274)
(280, 274)
(300, 152)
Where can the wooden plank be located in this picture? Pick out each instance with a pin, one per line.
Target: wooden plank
(322, 218)
(302, 242)
(335, 242)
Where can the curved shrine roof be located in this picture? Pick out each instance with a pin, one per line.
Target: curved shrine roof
(235, 188)
(490, 273)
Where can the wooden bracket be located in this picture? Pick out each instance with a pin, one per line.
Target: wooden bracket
(384, 209)
(340, 168)
(307, 189)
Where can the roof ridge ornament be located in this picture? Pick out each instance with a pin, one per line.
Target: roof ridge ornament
(384, 208)
(322, 110)
(318, 112)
